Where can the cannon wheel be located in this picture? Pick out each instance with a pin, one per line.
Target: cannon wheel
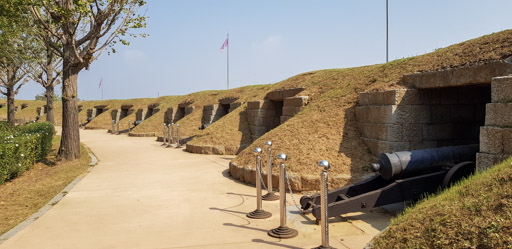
(458, 172)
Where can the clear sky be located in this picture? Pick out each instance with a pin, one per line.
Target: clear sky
(271, 40)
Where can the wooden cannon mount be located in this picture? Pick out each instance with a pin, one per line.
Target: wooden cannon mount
(403, 176)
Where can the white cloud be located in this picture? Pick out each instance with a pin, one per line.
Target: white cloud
(134, 56)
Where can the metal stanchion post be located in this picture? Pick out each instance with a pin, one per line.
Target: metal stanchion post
(178, 136)
(169, 138)
(113, 123)
(129, 126)
(118, 132)
(259, 213)
(282, 232)
(324, 222)
(164, 135)
(270, 196)
(172, 133)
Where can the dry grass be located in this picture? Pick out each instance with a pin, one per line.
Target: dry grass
(326, 128)
(26, 194)
(476, 213)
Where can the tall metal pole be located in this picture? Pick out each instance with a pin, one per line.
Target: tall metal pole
(387, 33)
(228, 63)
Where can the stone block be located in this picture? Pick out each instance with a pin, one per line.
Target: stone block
(420, 145)
(210, 108)
(189, 109)
(290, 110)
(467, 75)
(233, 106)
(408, 97)
(256, 104)
(218, 150)
(379, 98)
(284, 119)
(495, 140)
(377, 147)
(437, 131)
(486, 160)
(420, 114)
(412, 132)
(498, 114)
(440, 113)
(258, 130)
(501, 89)
(279, 95)
(389, 132)
(375, 114)
(297, 101)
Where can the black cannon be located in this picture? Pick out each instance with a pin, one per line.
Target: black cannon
(137, 122)
(403, 176)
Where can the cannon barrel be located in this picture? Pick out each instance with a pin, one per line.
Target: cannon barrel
(398, 165)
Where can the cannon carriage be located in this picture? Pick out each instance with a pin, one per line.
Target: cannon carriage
(403, 176)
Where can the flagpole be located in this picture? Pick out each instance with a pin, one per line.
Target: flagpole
(102, 90)
(228, 63)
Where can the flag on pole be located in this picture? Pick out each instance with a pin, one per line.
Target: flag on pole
(225, 44)
(101, 83)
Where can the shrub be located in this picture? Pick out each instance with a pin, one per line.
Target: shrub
(21, 146)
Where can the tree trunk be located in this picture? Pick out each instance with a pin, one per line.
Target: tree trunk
(50, 93)
(11, 108)
(70, 140)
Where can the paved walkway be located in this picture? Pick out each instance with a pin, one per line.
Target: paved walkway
(142, 195)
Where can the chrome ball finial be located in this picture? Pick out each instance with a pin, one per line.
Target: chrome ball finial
(325, 164)
(177, 125)
(257, 151)
(282, 156)
(268, 143)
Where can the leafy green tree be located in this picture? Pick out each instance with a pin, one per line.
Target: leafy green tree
(15, 41)
(46, 69)
(83, 30)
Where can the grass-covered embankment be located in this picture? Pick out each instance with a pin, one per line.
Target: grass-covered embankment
(476, 213)
(26, 194)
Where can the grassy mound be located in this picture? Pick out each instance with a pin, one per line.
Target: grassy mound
(476, 213)
(326, 127)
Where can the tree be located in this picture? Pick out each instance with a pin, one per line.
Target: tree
(83, 28)
(46, 69)
(15, 41)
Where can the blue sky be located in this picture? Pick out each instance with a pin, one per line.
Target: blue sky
(272, 40)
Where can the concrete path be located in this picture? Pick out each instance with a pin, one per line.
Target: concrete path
(142, 195)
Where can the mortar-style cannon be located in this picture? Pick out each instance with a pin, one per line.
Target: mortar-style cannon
(403, 176)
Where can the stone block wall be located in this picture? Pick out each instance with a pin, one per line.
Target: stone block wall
(169, 115)
(41, 111)
(496, 135)
(265, 115)
(409, 119)
(141, 114)
(91, 114)
(233, 106)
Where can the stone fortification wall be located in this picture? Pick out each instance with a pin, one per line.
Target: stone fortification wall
(409, 119)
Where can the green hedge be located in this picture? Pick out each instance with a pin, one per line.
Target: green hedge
(21, 146)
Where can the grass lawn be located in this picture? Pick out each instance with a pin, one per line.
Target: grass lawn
(26, 194)
(476, 213)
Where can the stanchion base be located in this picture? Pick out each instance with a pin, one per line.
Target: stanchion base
(324, 247)
(283, 232)
(270, 197)
(259, 214)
